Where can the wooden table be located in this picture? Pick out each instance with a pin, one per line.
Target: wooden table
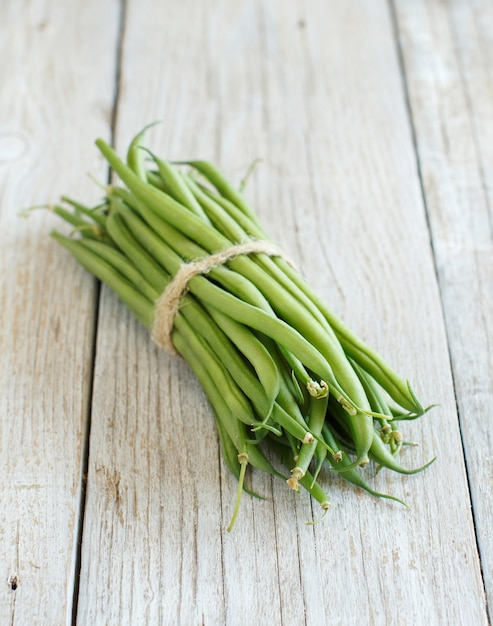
(374, 124)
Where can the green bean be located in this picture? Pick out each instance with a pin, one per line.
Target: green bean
(252, 229)
(320, 455)
(200, 319)
(92, 231)
(287, 423)
(135, 155)
(360, 426)
(381, 455)
(226, 352)
(154, 179)
(375, 397)
(142, 308)
(238, 309)
(307, 450)
(237, 402)
(354, 347)
(152, 246)
(288, 306)
(232, 430)
(120, 262)
(171, 262)
(185, 221)
(174, 238)
(374, 394)
(225, 224)
(126, 241)
(172, 211)
(231, 227)
(254, 351)
(295, 428)
(399, 389)
(176, 187)
(343, 465)
(307, 481)
(89, 212)
(221, 183)
(280, 370)
(289, 397)
(360, 352)
(230, 456)
(235, 428)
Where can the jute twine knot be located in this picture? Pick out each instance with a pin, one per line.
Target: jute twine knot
(168, 304)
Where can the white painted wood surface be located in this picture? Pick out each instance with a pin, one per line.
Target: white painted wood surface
(448, 70)
(57, 67)
(317, 92)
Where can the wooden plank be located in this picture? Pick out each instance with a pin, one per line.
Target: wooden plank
(448, 51)
(57, 71)
(317, 94)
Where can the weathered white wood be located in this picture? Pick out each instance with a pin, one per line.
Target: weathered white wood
(57, 68)
(448, 52)
(316, 92)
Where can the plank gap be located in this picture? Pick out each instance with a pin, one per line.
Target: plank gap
(482, 175)
(407, 99)
(97, 300)
(85, 458)
(122, 26)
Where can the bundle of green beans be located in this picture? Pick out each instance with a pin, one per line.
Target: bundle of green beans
(289, 384)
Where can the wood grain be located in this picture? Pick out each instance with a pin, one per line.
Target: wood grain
(447, 55)
(372, 121)
(57, 90)
(315, 91)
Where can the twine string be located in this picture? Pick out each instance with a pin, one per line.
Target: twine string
(168, 304)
